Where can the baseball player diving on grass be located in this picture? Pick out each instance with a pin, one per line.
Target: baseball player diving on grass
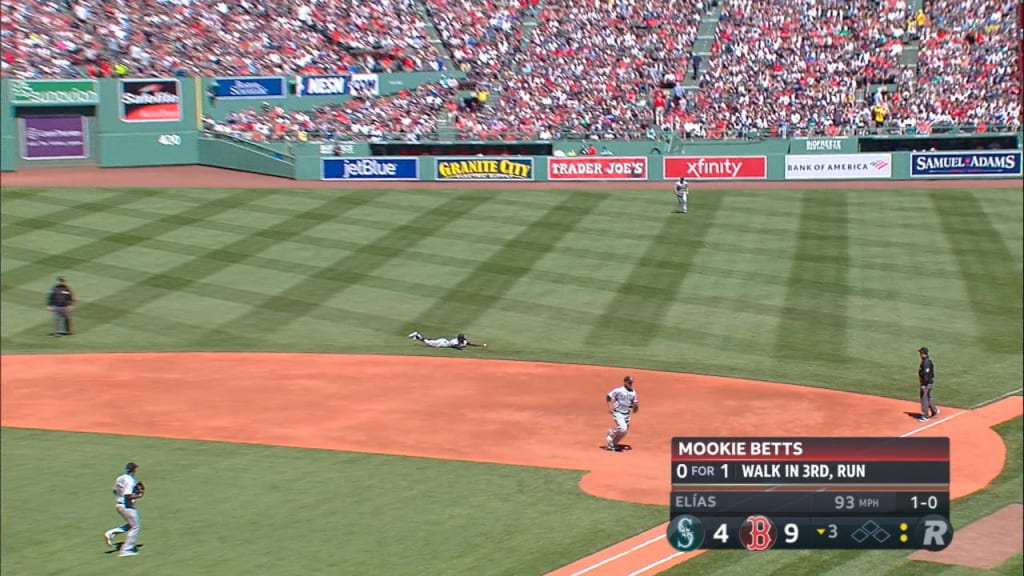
(622, 402)
(458, 342)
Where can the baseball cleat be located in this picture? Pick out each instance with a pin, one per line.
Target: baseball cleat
(936, 413)
(415, 335)
(108, 538)
(922, 419)
(131, 552)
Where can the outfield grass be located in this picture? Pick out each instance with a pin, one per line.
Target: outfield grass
(216, 508)
(829, 288)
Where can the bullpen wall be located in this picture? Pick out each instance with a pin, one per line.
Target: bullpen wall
(697, 167)
(106, 122)
(120, 122)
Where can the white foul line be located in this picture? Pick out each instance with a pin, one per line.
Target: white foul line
(617, 556)
(930, 424)
(658, 563)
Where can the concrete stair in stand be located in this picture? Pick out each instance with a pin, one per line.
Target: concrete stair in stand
(435, 36)
(706, 32)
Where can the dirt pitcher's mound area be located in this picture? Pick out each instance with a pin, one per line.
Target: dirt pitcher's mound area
(536, 414)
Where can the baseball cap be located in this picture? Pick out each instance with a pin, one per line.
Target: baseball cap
(628, 379)
(923, 349)
(130, 466)
(60, 278)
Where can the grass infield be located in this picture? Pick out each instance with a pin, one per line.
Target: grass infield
(827, 288)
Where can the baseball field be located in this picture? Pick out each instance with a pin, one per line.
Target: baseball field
(246, 346)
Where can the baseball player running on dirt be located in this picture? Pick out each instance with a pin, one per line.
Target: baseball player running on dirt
(622, 402)
(127, 490)
(458, 342)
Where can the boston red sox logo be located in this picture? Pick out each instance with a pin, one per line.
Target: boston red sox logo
(758, 533)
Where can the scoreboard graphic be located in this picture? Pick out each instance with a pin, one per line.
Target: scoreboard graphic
(764, 494)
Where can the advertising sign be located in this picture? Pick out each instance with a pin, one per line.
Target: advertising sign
(367, 169)
(823, 145)
(965, 164)
(54, 137)
(716, 167)
(150, 100)
(339, 85)
(597, 168)
(54, 92)
(838, 166)
(364, 84)
(250, 87)
(483, 168)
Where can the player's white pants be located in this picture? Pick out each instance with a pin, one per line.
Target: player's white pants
(438, 342)
(621, 427)
(682, 202)
(131, 517)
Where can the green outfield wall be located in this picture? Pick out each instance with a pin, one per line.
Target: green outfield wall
(123, 122)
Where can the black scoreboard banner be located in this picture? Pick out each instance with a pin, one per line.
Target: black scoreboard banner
(810, 493)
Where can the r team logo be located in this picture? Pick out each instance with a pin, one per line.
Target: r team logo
(758, 533)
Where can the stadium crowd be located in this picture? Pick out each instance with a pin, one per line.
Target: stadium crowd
(588, 71)
(968, 68)
(41, 38)
(410, 115)
(557, 68)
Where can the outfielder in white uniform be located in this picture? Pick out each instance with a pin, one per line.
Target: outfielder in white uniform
(622, 402)
(682, 193)
(124, 504)
(458, 342)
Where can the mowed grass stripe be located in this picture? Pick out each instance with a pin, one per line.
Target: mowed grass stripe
(487, 284)
(140, 234)
(302, 299)
(15, 225)
(634, 317)
(986, 267)
(150, 288)
(813, 322)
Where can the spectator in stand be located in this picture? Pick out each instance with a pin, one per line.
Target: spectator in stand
(968, 67)
(796, 62)
(213, 37)
(407, 116)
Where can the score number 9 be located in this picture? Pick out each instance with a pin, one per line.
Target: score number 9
(792, 532)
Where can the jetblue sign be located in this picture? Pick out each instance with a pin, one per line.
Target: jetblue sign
(249, 87)
(965, 164)
(339, 85)
(366, 169)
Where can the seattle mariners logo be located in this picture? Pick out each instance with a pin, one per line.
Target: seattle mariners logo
(685, 533)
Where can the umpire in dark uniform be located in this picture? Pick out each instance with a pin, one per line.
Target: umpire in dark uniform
(926, 377)
(61, 302)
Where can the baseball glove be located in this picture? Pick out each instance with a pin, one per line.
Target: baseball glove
(139, 491)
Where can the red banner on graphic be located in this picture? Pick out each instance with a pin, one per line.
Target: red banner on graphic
(716, 167)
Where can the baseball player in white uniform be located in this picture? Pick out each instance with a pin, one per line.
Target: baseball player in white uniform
(458, 342)
(124, 503)
(622, 402)
(682, 192)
